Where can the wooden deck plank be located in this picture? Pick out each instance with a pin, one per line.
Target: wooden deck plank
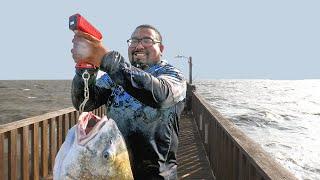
(192, 160)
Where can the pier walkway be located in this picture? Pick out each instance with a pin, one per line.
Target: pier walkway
(192, 160)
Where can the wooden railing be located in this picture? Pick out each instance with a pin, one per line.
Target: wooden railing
(232, 154)
(28, 147)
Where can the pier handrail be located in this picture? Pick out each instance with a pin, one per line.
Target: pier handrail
(231, 153)
(28, 147)
(36, 119)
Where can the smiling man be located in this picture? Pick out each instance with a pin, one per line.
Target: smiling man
(141, 50)
(145, 97)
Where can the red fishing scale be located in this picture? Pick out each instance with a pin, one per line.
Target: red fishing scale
(78, 22)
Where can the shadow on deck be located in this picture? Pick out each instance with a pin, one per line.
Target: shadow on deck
(192, 159)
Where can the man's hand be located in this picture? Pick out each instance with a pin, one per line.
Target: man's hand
(87, 49)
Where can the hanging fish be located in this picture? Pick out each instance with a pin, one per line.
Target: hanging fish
(93, 149)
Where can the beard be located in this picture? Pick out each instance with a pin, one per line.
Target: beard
(139, 65)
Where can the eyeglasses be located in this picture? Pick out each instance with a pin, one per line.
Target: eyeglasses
(146, 42)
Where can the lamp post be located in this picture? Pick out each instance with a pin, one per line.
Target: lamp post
(190, 65)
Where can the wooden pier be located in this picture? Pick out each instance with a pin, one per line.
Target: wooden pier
(192, 159)
(210, 146)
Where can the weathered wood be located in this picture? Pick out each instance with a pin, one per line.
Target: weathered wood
(35, 150)
(32, 120)
(103, 110)
(230, 159)
(252, 173)
(77, 116)
(59, 131)
(44, 148)
(25, 153)
(219, 153)
(191, 157)
(224, 155)
(235, 171)
(214, 159)
(98, 113)
(73, 119)
(13, 154)
(65, 126)
(53, 142)
(247, 167)
(2, 173)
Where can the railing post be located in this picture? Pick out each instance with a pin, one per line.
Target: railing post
(13, 161)
(25, 152)
(44, 148)
(190, 89)
(53, 141)
(190, 69)
(35, 150)
(2, 155)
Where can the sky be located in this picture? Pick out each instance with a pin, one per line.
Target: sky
(232, 39)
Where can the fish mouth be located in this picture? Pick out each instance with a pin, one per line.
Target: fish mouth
(91, 123)
(87, 121)
(88, 126)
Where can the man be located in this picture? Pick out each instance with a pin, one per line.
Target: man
(144, 96)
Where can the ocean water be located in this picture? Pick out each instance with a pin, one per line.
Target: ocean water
(283, 116)
(26, 98)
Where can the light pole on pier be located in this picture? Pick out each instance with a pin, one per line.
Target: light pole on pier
(190, 65)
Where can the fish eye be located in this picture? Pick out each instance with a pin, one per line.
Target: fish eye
(106, 154)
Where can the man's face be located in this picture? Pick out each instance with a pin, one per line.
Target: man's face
(145, 55)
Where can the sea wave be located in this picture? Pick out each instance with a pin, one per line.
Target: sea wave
(281, 115)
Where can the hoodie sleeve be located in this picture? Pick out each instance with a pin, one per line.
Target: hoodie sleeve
(165, 90)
